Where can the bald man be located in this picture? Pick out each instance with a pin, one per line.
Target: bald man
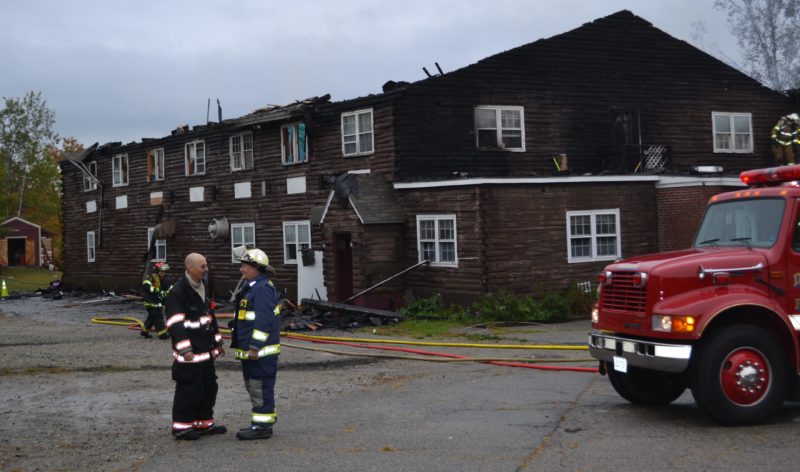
(196, 342)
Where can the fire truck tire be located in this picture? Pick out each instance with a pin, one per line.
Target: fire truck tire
(646, 387)
(741, 376)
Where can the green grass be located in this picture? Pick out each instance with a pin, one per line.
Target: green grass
(26, 279)
(420, 329)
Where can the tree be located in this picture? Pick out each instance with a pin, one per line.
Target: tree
(768, 31)
(30, 183)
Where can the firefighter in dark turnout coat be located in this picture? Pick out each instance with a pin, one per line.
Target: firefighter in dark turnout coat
(155, 288)
(256, 342)
(196, 342)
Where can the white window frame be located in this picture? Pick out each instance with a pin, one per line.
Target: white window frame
(158, 164)
(190, 152)
(91, 252)
(242, 152)
(119, 178)
(161, 246)
(90, 184)
(499, 109)
(437, 240)
(299, 246)
(732, 134)
(292, 158)
(358, 133)
(594, 235)
(243, 241)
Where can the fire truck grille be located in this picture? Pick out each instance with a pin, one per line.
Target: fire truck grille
(621, 295)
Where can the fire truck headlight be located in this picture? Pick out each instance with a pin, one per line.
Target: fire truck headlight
(673, 324)
(595, 315)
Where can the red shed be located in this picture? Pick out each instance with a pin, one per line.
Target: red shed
(24, 244)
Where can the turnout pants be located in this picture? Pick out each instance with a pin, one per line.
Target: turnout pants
(155, 318)
(195, 394)
(259, 380)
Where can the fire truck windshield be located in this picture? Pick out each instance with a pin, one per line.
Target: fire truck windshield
(750, 223)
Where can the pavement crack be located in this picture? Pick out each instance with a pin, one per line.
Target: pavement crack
(526, 463)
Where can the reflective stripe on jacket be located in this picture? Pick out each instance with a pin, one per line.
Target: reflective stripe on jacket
(256, 324)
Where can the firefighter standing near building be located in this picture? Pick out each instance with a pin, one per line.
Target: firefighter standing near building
(196, 342)
(155, 289)
(256, 342)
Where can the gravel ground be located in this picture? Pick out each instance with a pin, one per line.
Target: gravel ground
(82, 396)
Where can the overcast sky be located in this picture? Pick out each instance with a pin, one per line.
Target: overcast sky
(120, 70)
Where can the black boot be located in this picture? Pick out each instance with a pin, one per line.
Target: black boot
(254, 432)
(145, 334)
(213, 429)
(163, 336)
(186, 435)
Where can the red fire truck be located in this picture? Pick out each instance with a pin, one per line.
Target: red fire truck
(721, 318)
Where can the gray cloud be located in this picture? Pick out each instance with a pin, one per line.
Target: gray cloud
(123, 70)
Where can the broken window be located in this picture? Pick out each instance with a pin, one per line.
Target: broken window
(732, 132)
(436, 239)
(241, 150)
(160, 254)
(500, 128)
(88, 183)
(296, 237)
(90, 253)
(155, 164)
(294, 147)
(593, 235)
(196, 158)
(119, 170)
(357, 135)
(242, 234)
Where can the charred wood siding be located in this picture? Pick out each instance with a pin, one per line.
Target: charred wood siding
(122, 240)
(568, 86)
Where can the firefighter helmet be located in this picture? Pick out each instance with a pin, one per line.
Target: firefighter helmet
(257, 258)
(160, 267)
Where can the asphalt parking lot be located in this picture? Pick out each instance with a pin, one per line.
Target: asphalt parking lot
(82, 396)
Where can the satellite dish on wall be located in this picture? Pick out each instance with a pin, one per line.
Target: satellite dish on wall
(218, 228)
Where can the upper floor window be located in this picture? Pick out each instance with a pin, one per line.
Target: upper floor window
(733, 132)
(296, 237)
(357, 135)
(90, 252)
(242, 234)
(119, 170)
(196, 158)
(90, 184)
(241, 149)
(160, 254)
(593, 235)
(436, 239)
(500, 128)
(155, 164)
(294, 148)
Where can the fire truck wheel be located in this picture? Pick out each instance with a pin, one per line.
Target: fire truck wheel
(741, 376)
(646, 387)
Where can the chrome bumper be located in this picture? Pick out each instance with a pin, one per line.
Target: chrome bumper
(639, 353)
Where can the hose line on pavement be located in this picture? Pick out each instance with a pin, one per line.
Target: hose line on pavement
(136, 324)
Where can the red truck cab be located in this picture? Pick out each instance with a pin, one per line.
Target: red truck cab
(721, 318)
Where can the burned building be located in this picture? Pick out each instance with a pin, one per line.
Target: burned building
(531, 168)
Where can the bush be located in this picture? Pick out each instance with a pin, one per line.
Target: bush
(546, 307)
